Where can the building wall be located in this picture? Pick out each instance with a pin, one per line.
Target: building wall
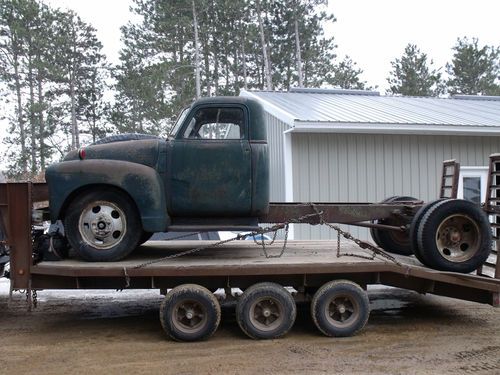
(275, 129)
(369, 168)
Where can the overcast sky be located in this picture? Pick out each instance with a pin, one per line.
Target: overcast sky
(372, 32)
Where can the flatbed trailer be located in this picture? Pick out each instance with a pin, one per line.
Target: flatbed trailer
(304, 266)
(340, 270)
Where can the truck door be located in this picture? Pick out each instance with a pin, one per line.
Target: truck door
(210, 169)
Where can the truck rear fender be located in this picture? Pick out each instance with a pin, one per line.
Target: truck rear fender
(67, 180)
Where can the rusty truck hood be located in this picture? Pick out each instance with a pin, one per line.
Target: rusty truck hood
(143, 152)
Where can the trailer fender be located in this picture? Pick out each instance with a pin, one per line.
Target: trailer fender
(142, 183)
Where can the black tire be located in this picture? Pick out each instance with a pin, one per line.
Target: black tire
(455, 235)
(374, 232)
(266, 311)
(340, 308)
(414, 229)
(190, 312)
(117, 214)
(393, 241)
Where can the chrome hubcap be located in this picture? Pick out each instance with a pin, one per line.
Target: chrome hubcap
(102, 225)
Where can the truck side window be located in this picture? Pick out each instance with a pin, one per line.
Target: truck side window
(216, 123)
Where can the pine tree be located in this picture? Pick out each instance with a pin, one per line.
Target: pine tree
(93, 110)
(413, 75)
(347, 75)
(474, 70)
(78, 57)
(12, 31)
(180, 50)
(47, 57)
(23, 42)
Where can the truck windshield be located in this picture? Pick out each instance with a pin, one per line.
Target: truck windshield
(178, 123)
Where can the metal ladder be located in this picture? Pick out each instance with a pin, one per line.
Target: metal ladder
(449, 179)
(492, 208)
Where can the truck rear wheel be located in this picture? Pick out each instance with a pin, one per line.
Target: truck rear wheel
(266, 311)
(455, 235)
(340, 308)
(102, 225)
(392, 241)
(190, 312)
(415, 223)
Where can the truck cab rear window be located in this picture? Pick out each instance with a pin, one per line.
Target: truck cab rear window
(216, 123)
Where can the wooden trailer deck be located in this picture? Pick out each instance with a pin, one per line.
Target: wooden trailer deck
(239, 264)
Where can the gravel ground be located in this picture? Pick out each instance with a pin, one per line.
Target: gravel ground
(112, 332)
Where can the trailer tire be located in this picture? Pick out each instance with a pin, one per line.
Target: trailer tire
(389, 240)
(455, 235)
(190, 312)
(417, 219)
(340, 308)
(266, 311)
(121, 226)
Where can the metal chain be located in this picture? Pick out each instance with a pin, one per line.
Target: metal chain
(34, 299)
(176, 255)
(362, 244)
(285, 241)
(274, 229)
(270, 229)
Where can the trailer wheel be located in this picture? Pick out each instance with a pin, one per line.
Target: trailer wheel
(190, 312)
(455, 235)
(102, 225)
(393, 241)
(340, 308)
(417, 219)
(266, 311)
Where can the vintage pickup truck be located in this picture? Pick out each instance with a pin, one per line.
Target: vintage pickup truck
(212, 173)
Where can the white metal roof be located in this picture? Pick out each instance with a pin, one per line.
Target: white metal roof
(337, 110)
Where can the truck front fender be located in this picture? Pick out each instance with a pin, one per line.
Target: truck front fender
(142, 183)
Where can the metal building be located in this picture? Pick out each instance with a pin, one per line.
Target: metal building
(359, 146)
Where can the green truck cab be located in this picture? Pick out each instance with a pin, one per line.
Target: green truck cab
(211, 174)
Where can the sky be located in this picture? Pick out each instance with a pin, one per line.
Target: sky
(374, 33)
(371, 32)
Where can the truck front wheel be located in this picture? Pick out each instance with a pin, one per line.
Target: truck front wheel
(102, 225)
